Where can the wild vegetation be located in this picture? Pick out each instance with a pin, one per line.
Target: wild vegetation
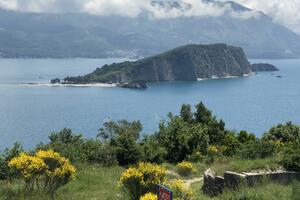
(120, 164)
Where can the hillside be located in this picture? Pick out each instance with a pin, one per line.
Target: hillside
(40, 35)
(186, 63)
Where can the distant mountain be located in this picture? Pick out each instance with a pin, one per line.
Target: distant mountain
(83, 35)
(186, 63)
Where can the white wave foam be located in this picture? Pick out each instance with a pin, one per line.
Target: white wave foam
(225, 77)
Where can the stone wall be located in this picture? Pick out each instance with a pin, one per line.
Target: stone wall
(213, 186)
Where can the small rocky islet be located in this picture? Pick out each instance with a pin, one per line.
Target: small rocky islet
(186, 63)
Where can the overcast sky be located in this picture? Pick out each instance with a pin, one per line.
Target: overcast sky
(286, 12)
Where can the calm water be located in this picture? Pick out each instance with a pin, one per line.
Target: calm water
(29, 113)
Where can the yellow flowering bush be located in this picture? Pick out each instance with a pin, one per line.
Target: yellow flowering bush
(212, 149)
(28, 166)
(142, 179)
(47, 166)
(57, 166)
(185, 168)
(180, 190)
(149, 196)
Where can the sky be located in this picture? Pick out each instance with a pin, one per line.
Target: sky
(285, 12)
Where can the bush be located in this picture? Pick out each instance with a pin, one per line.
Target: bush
(257, 149)
(291, 156)
(123, 136)
(9, 154)
(100, 153)
(152, 151)
(141, 179)
(180, 191)
(67, 143)
(283, 132)
(230, 144)
(46, 166)
(149, 196)
(181, 139)
(185, 168)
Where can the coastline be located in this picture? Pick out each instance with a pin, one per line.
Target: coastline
(226, 77)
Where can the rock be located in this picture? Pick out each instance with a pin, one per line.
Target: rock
(134, 85)
(212, 186)
(263, 67)
(234, 180)
(55, 81)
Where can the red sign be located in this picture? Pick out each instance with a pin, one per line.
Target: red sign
(164, 193)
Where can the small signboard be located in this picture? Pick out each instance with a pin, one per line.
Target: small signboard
(164, 193)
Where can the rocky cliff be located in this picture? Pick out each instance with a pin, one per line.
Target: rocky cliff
(186, 63)
(263, 67)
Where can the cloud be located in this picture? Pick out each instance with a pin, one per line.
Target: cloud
(286, 12)
(131, 8)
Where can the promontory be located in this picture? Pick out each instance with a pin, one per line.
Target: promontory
(185, 63)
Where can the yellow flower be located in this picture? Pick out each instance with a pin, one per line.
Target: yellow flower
(185, 168)
(149, 196)
(62, 166)
(213, 149)
(144, 177)
(28, 165)
(180, 191)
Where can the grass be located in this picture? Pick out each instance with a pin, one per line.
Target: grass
(239, 165)
(265, 191)
(100, 183)
(92, 183)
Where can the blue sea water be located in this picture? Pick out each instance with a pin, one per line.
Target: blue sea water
(29, 113)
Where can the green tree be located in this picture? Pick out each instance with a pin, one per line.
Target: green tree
(123, 136)
(245, 137)
(202, 115)
(181, 138)
(67, 143)
(5, 157)
(291, 156)
(186, 113)
(283, 132)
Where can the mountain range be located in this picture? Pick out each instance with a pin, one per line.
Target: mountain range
(40, 35)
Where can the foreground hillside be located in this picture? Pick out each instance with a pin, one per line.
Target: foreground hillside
(81, 35)
(119, 164)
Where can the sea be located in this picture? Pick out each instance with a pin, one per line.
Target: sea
(31, 109)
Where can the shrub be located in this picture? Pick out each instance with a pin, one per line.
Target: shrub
(152, 151)
(181, 139)
(245, 137)
(29, 168)
(257, 149)
(47, 166)
(180, 191)
(230, 144)
(141, 179)
(291, 156)
(149, 196)
(185, 168)
(100, 153)
(5, 157)
(123, 136)
(283, 132)
(67, 143)
(59, 170)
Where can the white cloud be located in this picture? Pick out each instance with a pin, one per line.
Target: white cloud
(130, 8)
(286, 12)
(283, 11)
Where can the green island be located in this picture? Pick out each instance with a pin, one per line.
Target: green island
(186, 63)
(120, 163)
